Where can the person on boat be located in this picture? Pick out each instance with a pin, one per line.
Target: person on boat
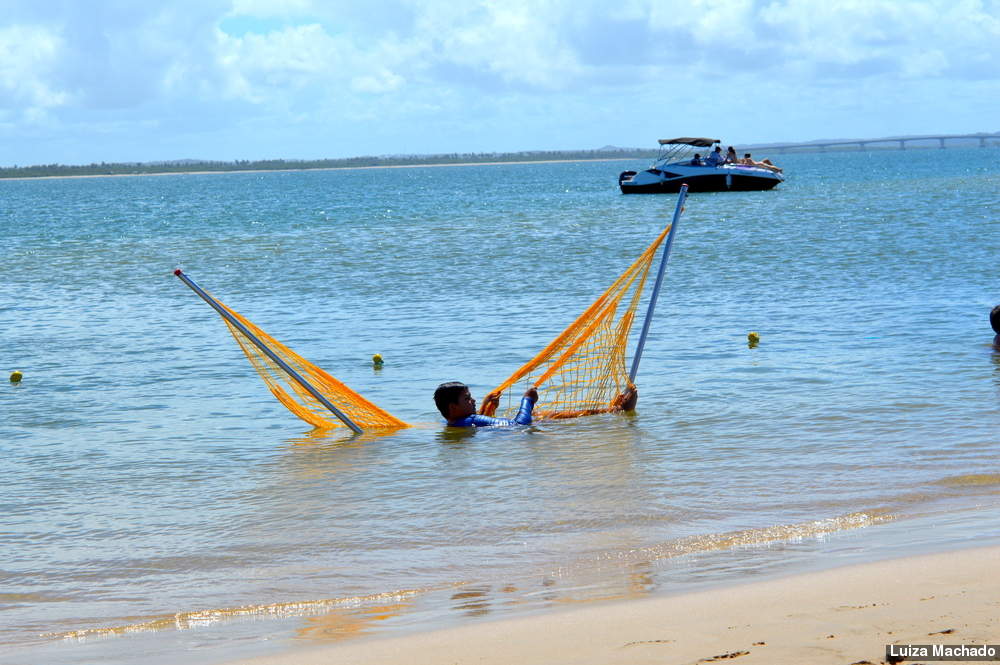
(769, 165)
(456, 404)
(765, 164)
(995, 324)
(731, 157)
(696, 160)
(716, 158)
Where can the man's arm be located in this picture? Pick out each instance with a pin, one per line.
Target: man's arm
(523, 416)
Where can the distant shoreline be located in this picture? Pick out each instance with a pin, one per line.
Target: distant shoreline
(609, 154)
(321, 168)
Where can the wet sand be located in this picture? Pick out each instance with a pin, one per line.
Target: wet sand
(842, 616)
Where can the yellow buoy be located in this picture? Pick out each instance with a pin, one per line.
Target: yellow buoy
(377, 360)
(753, 339)
(15, 376)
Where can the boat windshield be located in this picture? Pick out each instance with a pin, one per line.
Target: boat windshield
(672, 152)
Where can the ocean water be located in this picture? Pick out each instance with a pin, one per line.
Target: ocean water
(157, 504)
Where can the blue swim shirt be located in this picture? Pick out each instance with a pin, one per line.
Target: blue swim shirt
(523, 417)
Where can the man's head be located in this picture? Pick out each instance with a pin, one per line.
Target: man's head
(995, 319)
(454, 401)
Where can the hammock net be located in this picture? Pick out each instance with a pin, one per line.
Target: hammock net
(294, 396)
(582, 371)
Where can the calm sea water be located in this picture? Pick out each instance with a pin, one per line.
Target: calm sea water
(157, 500)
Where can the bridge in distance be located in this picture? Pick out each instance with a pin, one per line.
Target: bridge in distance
(982, 138)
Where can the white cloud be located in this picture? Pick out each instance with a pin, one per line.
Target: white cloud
(269, 8)
(881, 37)
(282, 60)
(380, 82)
(519, 43)
(28, 55)
(549, 68)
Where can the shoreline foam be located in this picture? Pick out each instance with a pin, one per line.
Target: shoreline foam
(840, 616)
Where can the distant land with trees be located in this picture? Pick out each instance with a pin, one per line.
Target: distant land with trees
(200, 166)
(606, 153)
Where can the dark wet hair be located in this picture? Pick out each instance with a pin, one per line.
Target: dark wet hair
(995, 319)
(446, 394)
(746, 155)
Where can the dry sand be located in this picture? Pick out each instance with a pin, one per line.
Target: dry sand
(841, 616)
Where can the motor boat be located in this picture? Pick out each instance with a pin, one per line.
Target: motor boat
(677, 163)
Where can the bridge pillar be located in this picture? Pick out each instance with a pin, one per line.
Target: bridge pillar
(941, 141)
(902, 145)
(982, 141)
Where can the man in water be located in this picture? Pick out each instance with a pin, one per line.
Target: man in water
(455, 403)
(458, 407)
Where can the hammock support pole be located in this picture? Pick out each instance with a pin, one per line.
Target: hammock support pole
(268, 352)
(682, 195)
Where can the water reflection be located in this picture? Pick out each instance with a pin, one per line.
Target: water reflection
(455, 435)
(343, 435)
(344, 624)
(640, 578)
(995, 359)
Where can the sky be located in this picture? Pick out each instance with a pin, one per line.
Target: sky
(85, 81)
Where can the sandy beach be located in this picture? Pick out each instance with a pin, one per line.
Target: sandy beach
(842, 616)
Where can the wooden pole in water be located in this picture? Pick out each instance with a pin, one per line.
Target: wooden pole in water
(266, 350)
(682, 195)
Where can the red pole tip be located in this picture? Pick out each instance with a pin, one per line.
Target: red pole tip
(178, 272)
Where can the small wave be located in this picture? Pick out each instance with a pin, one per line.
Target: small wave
(970, 480)
(755, 536)
(201, 618)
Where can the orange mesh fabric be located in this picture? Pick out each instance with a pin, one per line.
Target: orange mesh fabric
(582, 371)
(296, 398)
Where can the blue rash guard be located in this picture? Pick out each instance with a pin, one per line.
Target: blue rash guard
(523, 417)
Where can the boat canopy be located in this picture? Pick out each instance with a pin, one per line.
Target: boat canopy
(684, 140)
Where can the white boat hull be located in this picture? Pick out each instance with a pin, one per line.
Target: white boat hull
(728, 177)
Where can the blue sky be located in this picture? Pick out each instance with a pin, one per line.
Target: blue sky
(116, 80)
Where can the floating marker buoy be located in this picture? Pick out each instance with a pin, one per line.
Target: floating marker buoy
(753, 339)
(377, 360)
(15, 376)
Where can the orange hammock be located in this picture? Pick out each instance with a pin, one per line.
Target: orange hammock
(307, 390)
(581, 372)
